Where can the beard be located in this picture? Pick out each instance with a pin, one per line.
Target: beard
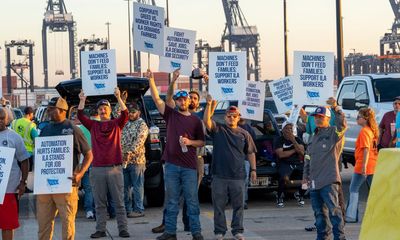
(182, 108)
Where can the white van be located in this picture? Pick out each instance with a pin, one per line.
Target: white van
(371, 90)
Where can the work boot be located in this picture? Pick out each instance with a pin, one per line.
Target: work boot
(166, 236)
(98, 234)
(159, 229)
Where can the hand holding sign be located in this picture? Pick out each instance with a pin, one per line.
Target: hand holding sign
(149, 74)
(117, 93)
(176, 74)
(82, 96)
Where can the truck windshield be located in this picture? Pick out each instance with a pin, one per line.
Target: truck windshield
(386, 89)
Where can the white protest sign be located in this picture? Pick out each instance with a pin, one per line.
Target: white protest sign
(228, 75)
(178, 51)
(148, 28)
(282, 93)
(99, 76)
(253, 105)
(53, 164)
(6, 161)
(294, 114)
(313, 77)
(1, 80)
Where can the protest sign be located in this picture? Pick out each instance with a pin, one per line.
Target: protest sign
(53, 164)
(1, 81)
(178, 51)
(253, 105)
(148, 28)
(228, 75)
(282, 93)
(6, 161)
(99, 75)
(313, 77)
(294, 114)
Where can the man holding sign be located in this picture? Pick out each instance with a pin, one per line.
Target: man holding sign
(66, 204)
(16, 182)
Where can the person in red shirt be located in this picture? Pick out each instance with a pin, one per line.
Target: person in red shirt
(106, 174)
(387, 125)
(366, 154)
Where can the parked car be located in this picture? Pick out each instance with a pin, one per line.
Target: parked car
(371, 90)
(267, 174)
(135, 87)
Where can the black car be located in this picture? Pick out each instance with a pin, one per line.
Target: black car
(267, 174)
(135, 88)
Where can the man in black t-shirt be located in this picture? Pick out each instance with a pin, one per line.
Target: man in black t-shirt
(65, 204)
(290, 152)
(232, 145)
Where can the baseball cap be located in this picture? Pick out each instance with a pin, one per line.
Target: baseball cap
(133, 107)
(58, 102)
(28, 110)
(181, 93)
(232, 110)
(286, 123)
(396, 98)
(322, 111)
(103, 102)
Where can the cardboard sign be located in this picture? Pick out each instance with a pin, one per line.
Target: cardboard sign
(148, 28)
(6, 161)
(178, 51)
(282, 93)
(313, 77)
(228, 75)
(99, 76)
(253, 105)
(53, 164)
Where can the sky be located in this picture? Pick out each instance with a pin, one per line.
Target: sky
(311, 26)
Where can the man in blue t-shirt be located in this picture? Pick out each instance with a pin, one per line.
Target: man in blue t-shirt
(232, 145)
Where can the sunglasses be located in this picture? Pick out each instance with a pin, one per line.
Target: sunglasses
(181, 94)
(232, 116)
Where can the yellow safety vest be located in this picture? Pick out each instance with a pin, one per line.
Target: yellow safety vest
(24, 127)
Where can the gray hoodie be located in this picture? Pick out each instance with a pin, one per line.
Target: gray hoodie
(322, 166)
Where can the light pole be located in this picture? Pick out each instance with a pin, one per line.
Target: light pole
(130, 41)
(339, 41)
(108, 34)
(285, 37)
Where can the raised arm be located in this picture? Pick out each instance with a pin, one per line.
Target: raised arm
(82, 100)
(208, 112)
(160, 104)
(170, 93)
(121, 102)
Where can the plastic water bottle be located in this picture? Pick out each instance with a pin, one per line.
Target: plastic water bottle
(183, 146)
(154, 134)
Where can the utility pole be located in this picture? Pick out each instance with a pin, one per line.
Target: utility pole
(129, 33)
(167, 24)
(108, 34)
(285, 37)
(339, 41)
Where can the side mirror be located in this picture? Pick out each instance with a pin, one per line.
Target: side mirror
(349, 101)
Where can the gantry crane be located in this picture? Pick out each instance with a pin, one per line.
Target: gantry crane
(57, 19)
(238, 32)
(390, 43)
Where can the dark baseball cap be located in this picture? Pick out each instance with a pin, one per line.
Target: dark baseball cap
(58, 102)
(133, 107)
(104, 102)
(28, 110)
(396, 99)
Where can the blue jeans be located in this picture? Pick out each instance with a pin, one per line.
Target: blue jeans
(134, 178)
(88, 201)
(328, 196)
(181, 180)
(352, 207)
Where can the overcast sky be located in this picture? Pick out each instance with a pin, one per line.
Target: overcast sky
(311, 25)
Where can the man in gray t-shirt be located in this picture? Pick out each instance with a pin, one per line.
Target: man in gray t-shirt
(231, 146)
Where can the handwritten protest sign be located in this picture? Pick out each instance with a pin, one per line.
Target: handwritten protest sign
(99, 75)
(178, 51)
(53, 164)
(282, 93)
(6, 161)
(313, 77)
(148, 28)
(228, 75)
(253, 105)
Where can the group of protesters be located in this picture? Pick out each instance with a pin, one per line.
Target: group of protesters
(109, 161)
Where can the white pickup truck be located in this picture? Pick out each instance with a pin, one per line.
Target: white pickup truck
(371, 90)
